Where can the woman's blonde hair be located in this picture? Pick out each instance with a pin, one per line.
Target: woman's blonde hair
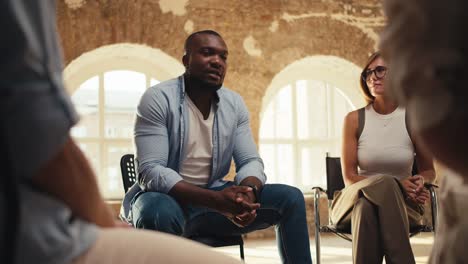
(364, 88)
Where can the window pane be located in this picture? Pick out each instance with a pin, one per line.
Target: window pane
(341, 108)
(334, 148)
(111, 180)
(283, 114)
(319, 114)
(267, 127)
(91, 151)
(153, 82)
(267, 152)
(86, 100)
(302, 108)
(285, 168)
(313, 166)
(123, 90)
(320, 110)
(306, 168)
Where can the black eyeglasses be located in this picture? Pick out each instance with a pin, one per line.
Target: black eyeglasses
(379, 72)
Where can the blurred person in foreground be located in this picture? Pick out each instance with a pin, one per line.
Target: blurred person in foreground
(426, 45)
(51, 210)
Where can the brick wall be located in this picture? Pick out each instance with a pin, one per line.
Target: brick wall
(263, 36)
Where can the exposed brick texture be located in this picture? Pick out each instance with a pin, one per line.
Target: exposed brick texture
(284, 31)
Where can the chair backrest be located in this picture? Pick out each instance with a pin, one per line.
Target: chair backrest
(127, 167)
(334, 176)
(415, 169)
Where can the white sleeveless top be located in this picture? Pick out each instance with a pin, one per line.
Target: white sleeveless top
(196, 166)
(384, 147)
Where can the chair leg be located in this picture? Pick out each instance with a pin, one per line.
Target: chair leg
(241, 248)
(317, 225)
(317, 247)
(434, 208)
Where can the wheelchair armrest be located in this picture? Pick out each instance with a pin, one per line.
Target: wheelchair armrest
(430, 185)
(317, 188)
(317, 194)
(434, 203)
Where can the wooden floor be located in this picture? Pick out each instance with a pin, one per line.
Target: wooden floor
(335, 250)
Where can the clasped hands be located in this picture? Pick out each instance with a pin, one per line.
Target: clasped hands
(414, 187)
(238, 204)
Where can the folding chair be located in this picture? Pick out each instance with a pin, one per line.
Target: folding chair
(127, 167)
(335, 183)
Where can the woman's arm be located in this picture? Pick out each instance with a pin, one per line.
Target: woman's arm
(349, 162)
(425, 163)
(414, 185)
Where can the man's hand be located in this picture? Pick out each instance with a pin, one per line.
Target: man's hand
(246, 218)
(233, 201)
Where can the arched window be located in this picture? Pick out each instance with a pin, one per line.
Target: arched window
(106, 87)
(302, 120)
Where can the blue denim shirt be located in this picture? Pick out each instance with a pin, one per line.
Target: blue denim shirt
(161, 132)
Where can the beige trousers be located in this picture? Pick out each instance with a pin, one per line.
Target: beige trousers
(379, 217)
(131, 246)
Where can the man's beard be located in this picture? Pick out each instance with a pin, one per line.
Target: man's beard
(203, 84)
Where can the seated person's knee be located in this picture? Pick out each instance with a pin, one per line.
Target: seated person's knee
(294, 196)
(156, 211)
(365, 205)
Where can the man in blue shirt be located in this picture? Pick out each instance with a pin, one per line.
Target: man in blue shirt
(187, 132)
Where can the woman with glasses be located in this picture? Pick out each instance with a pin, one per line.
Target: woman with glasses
(382, 199)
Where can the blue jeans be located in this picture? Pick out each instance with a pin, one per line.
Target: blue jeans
(281, 205)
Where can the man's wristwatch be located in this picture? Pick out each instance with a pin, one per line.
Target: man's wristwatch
(255, 191)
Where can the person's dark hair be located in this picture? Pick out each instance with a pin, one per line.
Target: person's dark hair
(364, 88)
(190, 38)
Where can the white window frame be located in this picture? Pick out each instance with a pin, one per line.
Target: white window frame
(153, 63)
(335, 72)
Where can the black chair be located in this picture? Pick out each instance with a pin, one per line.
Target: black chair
(127, 167)
(335, 183)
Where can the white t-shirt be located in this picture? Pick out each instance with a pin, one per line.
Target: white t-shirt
(196, 167)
